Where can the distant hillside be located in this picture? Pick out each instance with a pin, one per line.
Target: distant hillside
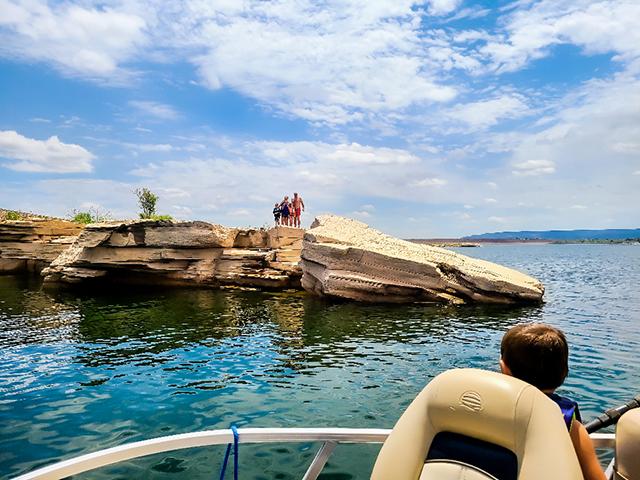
(21, 215)
(607, 234)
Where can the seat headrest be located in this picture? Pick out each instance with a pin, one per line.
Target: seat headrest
(487, 406)
(468, 401)
(627, 465)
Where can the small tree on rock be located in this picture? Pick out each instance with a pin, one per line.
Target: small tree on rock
(147, 201)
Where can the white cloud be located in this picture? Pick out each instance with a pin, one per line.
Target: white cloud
(365, 155)
(330, 177)
(321, 179)
(578, 143)
(626, 147)
(240, 212)
(118, 198)
(497, 219)
(469, 13)
(578, 207)
(534, 167)
(153, 147)
(51, 155)
(174, 193)
(333, 62)
(78, 40)
(442, 7)
(155, 109)
(361, 214)
(470, 36)
(442, 56)
(182, 210)
(548, 168)
(385, 67)
(429, 182)
(352, 153)
(486, 113)
(596, 26)
(138, 147)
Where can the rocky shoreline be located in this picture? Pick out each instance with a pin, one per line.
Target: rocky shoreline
(180, 254)
(31, 245)
(336, 258)
(347, 259)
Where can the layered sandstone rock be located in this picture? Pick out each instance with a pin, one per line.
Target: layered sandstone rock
(181, 253)
(345, 258)
(30, 245)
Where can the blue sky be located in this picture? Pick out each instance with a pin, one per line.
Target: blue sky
(424, 119)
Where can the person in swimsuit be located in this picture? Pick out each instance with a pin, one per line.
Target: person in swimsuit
(291, 214)
(298, 208)
(285, 211)
(539, 355)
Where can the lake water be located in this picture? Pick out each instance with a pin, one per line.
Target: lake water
(81, 372)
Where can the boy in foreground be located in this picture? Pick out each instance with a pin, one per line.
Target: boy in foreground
(539, 355)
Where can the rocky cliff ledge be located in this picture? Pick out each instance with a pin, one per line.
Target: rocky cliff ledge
(30, 245)
(181, 253)
(340, 258)
(345, 258)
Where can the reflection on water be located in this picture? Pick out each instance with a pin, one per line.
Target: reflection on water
(81, 372)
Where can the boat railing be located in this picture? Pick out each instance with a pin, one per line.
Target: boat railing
(330, 438)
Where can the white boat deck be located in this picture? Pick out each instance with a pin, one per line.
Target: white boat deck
(330, 438)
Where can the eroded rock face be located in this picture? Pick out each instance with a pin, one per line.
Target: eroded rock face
(30, 245)
(347, 259)
(181, 253)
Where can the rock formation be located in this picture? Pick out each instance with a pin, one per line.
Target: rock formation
(347, 259)
(340, 258)
(181, 253)
(30, 245)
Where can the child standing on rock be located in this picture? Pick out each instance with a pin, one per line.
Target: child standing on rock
(276, 214)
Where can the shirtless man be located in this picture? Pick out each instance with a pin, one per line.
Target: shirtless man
(298, 208)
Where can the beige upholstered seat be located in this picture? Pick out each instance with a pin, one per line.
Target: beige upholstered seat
(627, 466)
(487, 406)
(447, 470)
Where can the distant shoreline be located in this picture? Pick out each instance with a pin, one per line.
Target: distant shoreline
(458, 242)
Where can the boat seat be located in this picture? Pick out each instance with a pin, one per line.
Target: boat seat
(476, 425)
(452, 470)
(627, 465)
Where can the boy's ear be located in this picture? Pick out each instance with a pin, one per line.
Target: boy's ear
(504, 368)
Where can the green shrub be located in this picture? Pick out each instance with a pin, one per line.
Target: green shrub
(11, 215)
(82, 217)
(93, 215)
(147, 201)
(160, 217)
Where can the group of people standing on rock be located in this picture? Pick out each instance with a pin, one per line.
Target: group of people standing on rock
(288, 212)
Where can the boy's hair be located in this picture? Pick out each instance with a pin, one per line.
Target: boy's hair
(536, 353)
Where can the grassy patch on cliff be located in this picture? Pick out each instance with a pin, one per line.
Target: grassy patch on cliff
(7, 215)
